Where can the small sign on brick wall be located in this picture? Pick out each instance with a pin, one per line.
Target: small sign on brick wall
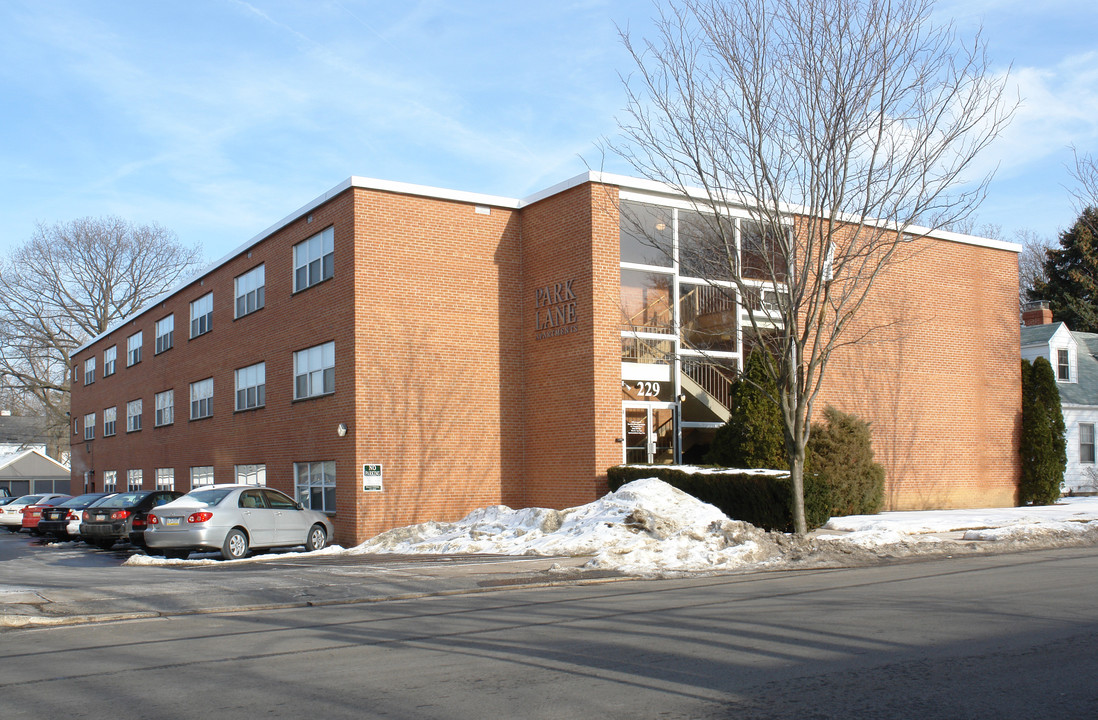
(371, 478)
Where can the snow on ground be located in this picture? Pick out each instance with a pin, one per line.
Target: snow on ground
(650, 528)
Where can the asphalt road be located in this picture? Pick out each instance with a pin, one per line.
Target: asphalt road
(1009, 636)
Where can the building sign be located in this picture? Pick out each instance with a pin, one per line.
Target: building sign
(555, 307)
(371, 478)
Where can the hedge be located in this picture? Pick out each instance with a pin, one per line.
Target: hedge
(765, 501)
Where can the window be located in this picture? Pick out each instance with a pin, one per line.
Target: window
(1063, 366)
(133, 415)
(250, 288)
(89, 426)
(110, 418)
(203, 475)
(165, 478)
(201, 312)
(133, 349)
(251, 386)
(314, 371)
(165, 332)
(1086, 443)
(76, 426)
(110, 481)
(165, 408)
(202, 398)
(89, 370)
(133, 480)
(314, 259)
(315, 484)
(251, 474)
(109, 356)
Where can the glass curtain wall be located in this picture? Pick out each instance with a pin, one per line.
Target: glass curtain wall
(684, 326)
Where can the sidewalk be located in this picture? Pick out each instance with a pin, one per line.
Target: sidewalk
(133, 592)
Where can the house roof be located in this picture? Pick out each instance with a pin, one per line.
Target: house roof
(1040, 334)
(22, 430)
(34, 461)
(1085, 391)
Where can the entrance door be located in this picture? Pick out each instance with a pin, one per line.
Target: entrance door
(649, 433)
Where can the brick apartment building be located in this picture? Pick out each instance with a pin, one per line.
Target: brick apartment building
(393, 353)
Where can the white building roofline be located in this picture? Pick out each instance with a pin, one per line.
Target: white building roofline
(622, 181)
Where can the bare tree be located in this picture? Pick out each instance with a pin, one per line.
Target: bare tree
(69, 283)
(1086, 177)
(839, 126)
(1031, 262)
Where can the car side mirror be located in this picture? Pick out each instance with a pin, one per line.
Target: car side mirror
(299, 506)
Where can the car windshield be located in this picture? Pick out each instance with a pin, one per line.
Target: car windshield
(125, 499)
(208, 496)
(28, 499)
(81, 501)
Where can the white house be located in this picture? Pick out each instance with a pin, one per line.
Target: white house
(1073, 359)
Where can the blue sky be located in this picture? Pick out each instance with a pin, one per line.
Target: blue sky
(216, 118)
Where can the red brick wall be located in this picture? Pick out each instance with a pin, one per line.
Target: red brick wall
(279, 434)
(941, 387)
(439, 387)
(572, 381)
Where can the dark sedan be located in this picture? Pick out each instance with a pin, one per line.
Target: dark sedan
(62, 522)
(122, 517)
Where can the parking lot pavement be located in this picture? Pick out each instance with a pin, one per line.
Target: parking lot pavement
(68, 583)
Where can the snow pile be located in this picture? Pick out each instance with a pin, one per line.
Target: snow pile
(646, 527)
(1078, 509)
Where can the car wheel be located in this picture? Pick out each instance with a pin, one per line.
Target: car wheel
(317, 538)
(235, 545)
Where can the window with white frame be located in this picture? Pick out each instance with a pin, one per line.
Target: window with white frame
(314, 371)
(110, 420)
(202, 475)
(76, 426)
(251, 386)
(165, 478)
(133, 349)
(134, 480)
(133, 415)
(202, 398)
(165, 408)
(165, 333)
(110, 481)
(315, 485)
(251, 474)
(89, 370)
(201, 314)
(314, 259)
(1086, 443)
(110, 355)
(1063, 364)
(89, 426)
(250, 291)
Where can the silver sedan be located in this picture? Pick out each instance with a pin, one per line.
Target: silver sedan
(233, 519)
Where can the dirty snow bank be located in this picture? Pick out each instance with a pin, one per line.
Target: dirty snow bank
(646, 527)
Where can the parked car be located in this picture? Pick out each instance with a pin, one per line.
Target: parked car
(32, 514)
(233, 518)
(121, 517)
(63, 521)
(4, 493)
(11, 515)
(6, 499)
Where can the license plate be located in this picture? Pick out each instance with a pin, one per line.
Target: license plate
(171, 521)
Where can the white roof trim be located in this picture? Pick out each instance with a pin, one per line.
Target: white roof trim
(392, 186)
(9, 460)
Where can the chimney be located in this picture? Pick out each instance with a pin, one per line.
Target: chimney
(1036, 312)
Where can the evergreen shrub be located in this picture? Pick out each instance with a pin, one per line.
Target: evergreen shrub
(1043, 446)
(841, 448)
(765, 501)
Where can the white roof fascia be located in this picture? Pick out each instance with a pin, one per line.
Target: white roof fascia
(623, 181)
(8, 460)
